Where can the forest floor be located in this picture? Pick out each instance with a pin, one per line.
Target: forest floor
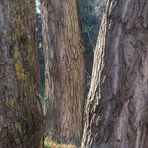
(52, 144)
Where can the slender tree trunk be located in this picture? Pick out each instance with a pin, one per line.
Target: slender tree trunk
(20, 111)
(117, 110)
(64, 72)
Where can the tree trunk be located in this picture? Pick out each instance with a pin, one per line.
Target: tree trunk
(20, 111)
(117, 111)
(64, 70)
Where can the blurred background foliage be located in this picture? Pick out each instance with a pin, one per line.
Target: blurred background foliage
(90, 14)
(40, 56)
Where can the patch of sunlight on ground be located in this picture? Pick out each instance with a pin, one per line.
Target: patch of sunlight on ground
(52, 144)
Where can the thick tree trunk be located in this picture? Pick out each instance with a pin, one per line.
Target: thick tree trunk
(64, 70)
(117, 112)
(20, 111)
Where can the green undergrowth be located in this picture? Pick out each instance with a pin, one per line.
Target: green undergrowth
(52, 144)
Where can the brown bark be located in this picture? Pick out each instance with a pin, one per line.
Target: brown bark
(64, 71)
(117, 113)
(20, 111)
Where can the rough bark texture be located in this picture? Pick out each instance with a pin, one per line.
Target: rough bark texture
(117, 110)
(64, 70)
(20, 111)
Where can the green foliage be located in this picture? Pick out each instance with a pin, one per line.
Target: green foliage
(52, 144)
(90, 12)
(40, 57)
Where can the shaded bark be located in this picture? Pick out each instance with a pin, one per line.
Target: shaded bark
(117, 113)
(64, 70)
(20, 111)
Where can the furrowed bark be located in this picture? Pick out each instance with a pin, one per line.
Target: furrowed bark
(117, 113)
(64, 74)
(20, 111)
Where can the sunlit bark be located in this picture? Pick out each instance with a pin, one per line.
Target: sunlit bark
(117, 113)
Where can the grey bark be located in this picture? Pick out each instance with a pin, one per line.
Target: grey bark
(117, 113)
(64, 71)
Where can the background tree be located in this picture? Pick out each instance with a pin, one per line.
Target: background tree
(90, 13)
(64, 70)
(20, 111)
(117, 113)
(40, 56)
